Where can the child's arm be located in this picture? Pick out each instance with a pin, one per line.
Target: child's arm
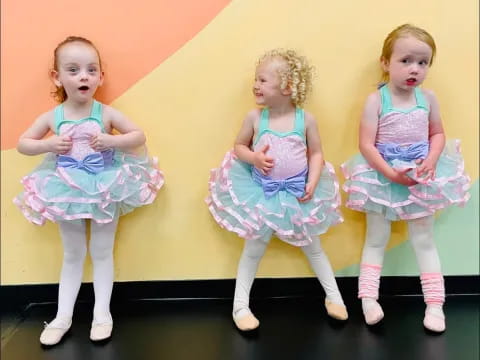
(31, 142)
(259, 159)
(436, 138)
(368, 133)
(130, 135)
(315, 157)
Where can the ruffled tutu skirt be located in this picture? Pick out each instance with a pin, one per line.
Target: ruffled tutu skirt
(238, 204)
(369, 191)
(59, 193)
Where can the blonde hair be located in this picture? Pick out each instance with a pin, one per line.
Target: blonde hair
(297, 74)
(404, 31)
(59, 94)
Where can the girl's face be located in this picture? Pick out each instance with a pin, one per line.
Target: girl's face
(409, 63)
(266, 89)
(78, 71)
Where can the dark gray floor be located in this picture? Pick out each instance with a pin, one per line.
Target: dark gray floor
(293, 328)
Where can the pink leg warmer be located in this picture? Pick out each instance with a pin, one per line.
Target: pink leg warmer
(369, 281)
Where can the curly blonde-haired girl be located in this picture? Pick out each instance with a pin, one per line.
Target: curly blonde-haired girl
(276, 181)
(295, 74)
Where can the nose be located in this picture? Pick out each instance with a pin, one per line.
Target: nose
(414, 69)
(83, 75)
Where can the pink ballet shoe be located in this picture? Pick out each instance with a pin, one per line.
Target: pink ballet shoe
(100, 331)
(54, 332)
(374, 314)
(433, 321)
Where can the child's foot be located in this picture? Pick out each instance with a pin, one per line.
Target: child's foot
(54, 331)
(336, 311)
(245, 320)
(434, 319)
(372, 311)
(101, 329)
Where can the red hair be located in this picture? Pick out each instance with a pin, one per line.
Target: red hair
(59, 94)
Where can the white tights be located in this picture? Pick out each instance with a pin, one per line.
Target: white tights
(421, 237)
(420, 234)
(247, 268)
(74, 241)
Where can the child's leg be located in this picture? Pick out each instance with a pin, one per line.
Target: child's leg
(421, 236)
(101, 250)
(74, 251)
(74, 239)
(377, 236)
(322, 268)
(378, 233)
(253, 252)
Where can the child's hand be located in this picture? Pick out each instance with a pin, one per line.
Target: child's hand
(59, 144)
(102, 142)
(401, 177)
(261, 161)
(309, 189)
(425, 169)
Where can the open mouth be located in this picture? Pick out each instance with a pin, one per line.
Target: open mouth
(411, 81)
(83, 88)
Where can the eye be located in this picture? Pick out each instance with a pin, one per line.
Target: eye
(92, 70)
(405, 61)
(423, 63)
(72, 70)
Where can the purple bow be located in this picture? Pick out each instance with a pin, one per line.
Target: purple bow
(411, 152)
(93, 163)
(295, 185)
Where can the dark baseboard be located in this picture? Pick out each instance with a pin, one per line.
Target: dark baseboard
(19, 296)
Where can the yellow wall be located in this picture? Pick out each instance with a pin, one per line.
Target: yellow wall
(192, 104)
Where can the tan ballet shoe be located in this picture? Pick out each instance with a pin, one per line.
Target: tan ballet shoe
(336, 311)
(247, 322)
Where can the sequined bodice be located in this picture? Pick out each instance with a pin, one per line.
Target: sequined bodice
(289, 154)
(80, 131)
(288, 150)
(402, 126)
(81, 134)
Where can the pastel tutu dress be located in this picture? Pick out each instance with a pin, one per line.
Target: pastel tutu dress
(402, 138)
(244, 201)
(84, 183)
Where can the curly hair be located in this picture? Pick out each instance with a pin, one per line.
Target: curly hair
(297, 74)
